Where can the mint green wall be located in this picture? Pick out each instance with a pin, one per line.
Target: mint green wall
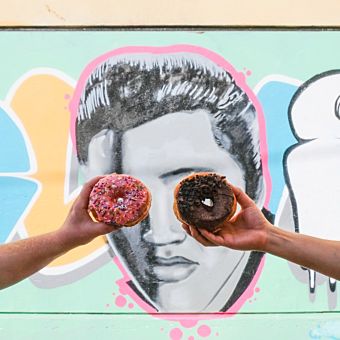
(281, 309)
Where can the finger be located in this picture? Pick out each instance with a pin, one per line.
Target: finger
(242, 198)
(186, 228)
(104, 228)
(215, 239)
(89, 185)
(196, 234)
(83, 198)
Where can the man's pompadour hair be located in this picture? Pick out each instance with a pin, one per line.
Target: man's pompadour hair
(126, 91)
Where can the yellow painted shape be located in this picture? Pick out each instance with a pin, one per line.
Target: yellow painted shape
(40, 104)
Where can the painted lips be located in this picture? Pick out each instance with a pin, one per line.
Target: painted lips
(173, 269)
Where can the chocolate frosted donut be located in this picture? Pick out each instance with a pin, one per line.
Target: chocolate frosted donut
(204, 200)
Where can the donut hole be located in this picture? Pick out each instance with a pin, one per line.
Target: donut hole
(207, 202)
(93, 215)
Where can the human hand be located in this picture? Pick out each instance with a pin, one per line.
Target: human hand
(247, 230)
(79, 228)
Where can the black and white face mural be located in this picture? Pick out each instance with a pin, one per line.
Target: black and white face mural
(159, 117)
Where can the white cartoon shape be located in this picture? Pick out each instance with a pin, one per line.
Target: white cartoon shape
(314, 111)
(313, 165)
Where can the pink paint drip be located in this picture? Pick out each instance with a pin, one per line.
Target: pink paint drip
(257, 289)
(120, 301)
(176, 334)
(204, 331)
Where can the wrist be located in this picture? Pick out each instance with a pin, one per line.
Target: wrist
(263, 237)
(66, 239)
(276, 238)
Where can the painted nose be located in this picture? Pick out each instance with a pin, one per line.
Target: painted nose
(164, 228)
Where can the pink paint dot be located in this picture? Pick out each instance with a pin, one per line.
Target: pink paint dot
(107, 305)
(162, 329)
(188, 323)
(217, 334)
(120, 301)
(113, 293)
(248, 73)
(191, 337)
(130, 305)
(176, 334)
(257, 289)
(67, 96)
(204, 331)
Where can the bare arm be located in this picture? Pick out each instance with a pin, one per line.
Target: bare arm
(20, 259)
(249, 230)
(314, 253)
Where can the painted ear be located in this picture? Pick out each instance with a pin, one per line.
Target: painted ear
(100, 155)
(337, 107)
(72, 172)
(261, 193)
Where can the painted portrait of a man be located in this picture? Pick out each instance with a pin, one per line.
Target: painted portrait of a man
(160, 114)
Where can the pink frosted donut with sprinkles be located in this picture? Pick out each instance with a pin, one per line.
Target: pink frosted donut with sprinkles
(119, 200)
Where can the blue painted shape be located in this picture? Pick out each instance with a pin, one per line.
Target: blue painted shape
(329, 330)
(13, 151)
(275, 97)
(15, 195)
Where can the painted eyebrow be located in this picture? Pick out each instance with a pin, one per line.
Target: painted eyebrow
(182, 171)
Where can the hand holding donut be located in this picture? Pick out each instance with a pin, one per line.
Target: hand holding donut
(245, 231)
(79, 228)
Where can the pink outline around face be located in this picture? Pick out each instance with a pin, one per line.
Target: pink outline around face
(240, 80)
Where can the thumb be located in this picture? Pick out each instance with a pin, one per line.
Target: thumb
(242, 198)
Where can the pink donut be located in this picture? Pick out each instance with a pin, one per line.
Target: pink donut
(119, 200)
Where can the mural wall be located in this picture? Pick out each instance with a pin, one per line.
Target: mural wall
(262, 108)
